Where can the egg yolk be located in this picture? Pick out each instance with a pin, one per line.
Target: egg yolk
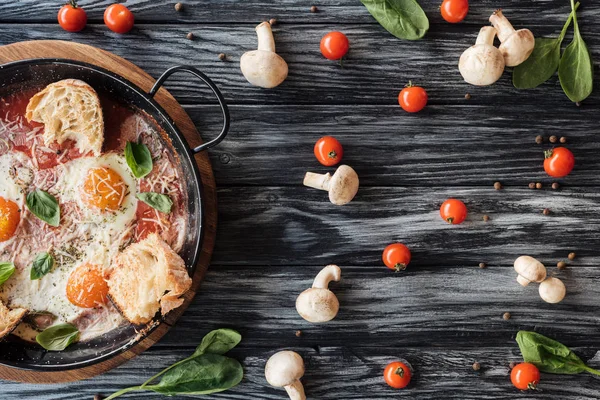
(86, 286)
(104, 189)
(10, 215)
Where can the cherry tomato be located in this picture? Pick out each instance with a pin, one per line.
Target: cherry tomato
(453, 211)
(396, 256)
(71, 17)
(334, 45)
(454, 11)
(118, 18)
(412, 98)
(559, 162)
(328, 151)
(397, 375)
(525, 376)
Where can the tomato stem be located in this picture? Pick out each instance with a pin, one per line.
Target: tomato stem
(450, 220)
(532, 386)
(548, 153)
(399, 267)
(409, 84)
(73, 3)
(332, 154)
(400, 372)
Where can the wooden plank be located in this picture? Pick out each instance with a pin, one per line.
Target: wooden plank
(296, 11)
(298, 226)
(376, 69)
(388, 147)
(348, 373)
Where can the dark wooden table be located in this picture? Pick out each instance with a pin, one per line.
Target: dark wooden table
(444, 312)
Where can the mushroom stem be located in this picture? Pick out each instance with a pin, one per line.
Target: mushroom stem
(266, 41)
(486, 36)
(523, 281)
(295, 391)
(317, 181)
(502, 25)
(327, 274)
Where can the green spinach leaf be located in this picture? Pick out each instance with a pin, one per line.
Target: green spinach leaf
(576, 70)
(204, 374)
(57, 337)
(549, 355)
(219, 341)
(161, 202)
(44, 206)
(138, 159)
(42, 264)
(404, 19)
(6, 271)
(543, 61)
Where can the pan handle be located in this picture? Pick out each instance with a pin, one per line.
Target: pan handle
(226, 120)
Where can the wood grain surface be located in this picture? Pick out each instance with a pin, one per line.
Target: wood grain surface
(101, 58)
(444, 312)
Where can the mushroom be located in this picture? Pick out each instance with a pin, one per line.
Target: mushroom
(264, 67)
(516, 45)
(529, 270)
(342, 186)
(319, 304)
(284, 369)
(552, 290)
(482, 64)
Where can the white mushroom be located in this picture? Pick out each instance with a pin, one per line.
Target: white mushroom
(552, 290)
(342, 186)
(284, 369)
(264, 67)
(516, 45)
(319, 304)
(529, 270)
(482, 64)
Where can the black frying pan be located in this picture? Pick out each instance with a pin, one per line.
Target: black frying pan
(37, 73)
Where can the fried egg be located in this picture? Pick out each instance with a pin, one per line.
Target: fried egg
(15, 175)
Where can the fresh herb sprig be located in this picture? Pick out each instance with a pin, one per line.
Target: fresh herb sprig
(404, 19)
(549, 355)
(204, 372)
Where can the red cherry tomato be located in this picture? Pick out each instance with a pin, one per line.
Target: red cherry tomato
(328, 151)
(397, 375)
(396, 256)
(559, 162)
(71, 17)
(525, 376)
(118, 18)
(454, 11)
(453, 211)
(334, 45)
(412, 98)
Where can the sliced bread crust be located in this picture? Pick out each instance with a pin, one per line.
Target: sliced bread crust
(147, 276)
(9, 319)
(69, 109)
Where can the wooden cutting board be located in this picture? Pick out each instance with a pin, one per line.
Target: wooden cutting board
(120, 66)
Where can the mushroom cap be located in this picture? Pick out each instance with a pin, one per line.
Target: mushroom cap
(317, 305)
(481, 65)
(517, 47)
(284, 368)
(343, 185)
(263, 68)
(529, 270)
(552, 290)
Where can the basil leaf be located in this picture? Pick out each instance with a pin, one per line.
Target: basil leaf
(549, 355)
(404, 19)
(6, 271)
(138, 158)
(543, 61)
(161, 202)
(44, 206)
(219, 341)
(576, 71)
(204, 374)
(42, 264)
(57, 337)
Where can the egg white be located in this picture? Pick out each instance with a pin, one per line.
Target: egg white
(16, 173)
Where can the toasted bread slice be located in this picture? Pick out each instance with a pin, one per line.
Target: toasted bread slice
(69, 109)
(9, 319)
(147, 276)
